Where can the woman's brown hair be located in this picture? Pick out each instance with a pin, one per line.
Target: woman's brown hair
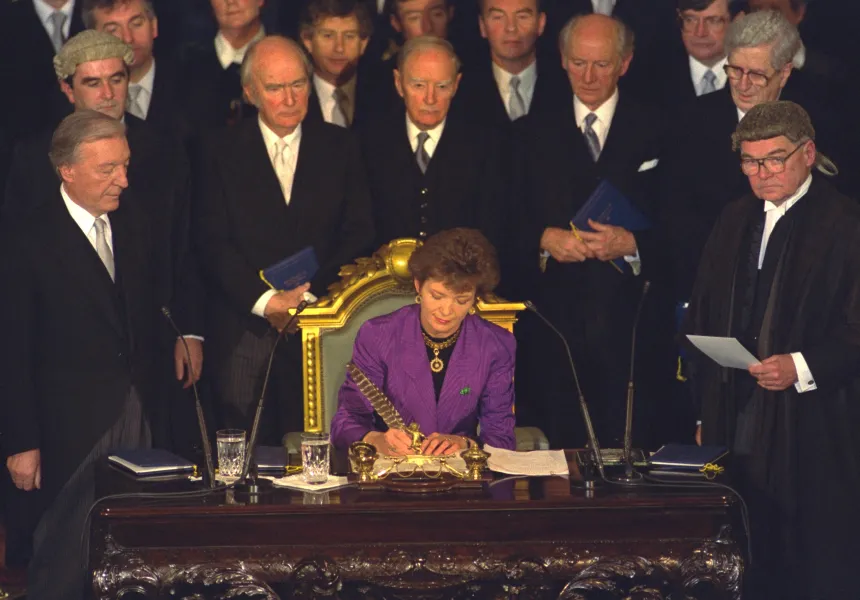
(463, 259)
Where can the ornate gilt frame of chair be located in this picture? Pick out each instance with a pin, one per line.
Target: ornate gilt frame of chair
(385, 274)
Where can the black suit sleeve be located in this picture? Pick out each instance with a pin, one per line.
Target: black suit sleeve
(356, 232)
(18, 347)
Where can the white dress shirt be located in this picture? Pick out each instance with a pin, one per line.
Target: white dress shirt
(604, 113)
(603, 7)
(528, 79)
(45, 10)
(698, 70)
(227, 54)
(86, 221)
(272, 142)
(325, 93)
(435, 134)
(146, 85)
(773, 213)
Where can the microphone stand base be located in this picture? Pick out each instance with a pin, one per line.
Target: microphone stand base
(253, 487)
(627, 478)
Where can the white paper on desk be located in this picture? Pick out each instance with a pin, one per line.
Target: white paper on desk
(297, 482)
(535, 462)
(725, 351)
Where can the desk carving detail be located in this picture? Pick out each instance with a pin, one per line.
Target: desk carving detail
(561, 573)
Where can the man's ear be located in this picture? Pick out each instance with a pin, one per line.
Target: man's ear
(66, 172)
(541, 23)
(395, 23)
(810, 153)
(397, 85)
(67, 90)
(784, 74)
(248, 92)
(625, 64)
(154, 27)
(307, 40)
(363, 46)
(482, 27)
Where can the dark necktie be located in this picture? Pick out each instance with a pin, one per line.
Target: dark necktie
(421, 155)
(591, 136)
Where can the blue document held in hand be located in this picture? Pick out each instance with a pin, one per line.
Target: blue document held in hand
(609, 206)
(291, 272)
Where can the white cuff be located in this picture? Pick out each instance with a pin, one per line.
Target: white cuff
(635, 262)
(805, 380)
(194, 337)
(260, 305)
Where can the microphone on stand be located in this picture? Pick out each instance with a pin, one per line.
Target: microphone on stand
(630, 475)
(209, 470)
(583, 407)
(249, 484)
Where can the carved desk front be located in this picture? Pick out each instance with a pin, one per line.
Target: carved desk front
(515, 538)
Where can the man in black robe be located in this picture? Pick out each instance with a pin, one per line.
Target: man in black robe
(783, 277)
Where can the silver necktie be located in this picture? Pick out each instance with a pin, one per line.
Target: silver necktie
(516, 102)
(134, 106)
(421, 153)
(709, 83)
(58, 20)
(340, 113)
(282, 161)
(103, 249)
(591, 136)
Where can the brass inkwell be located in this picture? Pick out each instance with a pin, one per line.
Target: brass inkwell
(416, 472)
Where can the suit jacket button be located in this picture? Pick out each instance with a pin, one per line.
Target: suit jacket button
(422, 234)
(423, 220)
(423, 191)
(424, 206)
(119, 354)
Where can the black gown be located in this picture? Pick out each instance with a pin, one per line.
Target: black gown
(797, 455)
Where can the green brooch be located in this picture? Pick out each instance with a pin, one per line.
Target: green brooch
(465, 390)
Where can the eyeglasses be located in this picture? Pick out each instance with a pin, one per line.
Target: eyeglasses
(774, 164)
(737, 73)
(690, 23)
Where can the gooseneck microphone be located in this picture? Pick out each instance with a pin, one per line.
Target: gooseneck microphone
(209, 471)
(251, 485)
(629, 472)
(583, 407)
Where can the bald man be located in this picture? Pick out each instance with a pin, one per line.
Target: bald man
(603, 135)
(268, 188)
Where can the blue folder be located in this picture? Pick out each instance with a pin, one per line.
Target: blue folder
(686, 456)
(291, 272)
(150, 461)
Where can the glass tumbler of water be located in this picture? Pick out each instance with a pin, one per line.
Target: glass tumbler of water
(231, 452)
(315, 457)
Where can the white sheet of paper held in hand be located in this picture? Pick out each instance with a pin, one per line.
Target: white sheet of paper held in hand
(725, 351)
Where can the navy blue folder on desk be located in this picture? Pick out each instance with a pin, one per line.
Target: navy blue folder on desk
(686, 457)
(150, 461)
(292, 271)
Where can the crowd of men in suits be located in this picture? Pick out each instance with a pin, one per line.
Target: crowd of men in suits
(342, 126)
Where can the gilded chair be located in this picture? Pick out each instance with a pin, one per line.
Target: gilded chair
(369, 288)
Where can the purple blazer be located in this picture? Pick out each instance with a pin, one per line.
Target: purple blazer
(478, 387)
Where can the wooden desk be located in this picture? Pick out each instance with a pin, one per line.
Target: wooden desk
(516, 538)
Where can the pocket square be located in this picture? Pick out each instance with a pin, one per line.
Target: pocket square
(648, 164)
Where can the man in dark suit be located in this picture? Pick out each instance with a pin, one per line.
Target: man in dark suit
(268, 188)
(336, 34)
(591, 281)
(155, 95)
(694, 67)
(429, 169)
(92, 68)
(512, 81)
(31, 32)
(212, 70)
(76, 365)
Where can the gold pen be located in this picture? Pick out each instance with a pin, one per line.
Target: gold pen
(579, 237)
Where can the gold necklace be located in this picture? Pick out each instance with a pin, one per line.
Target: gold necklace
(436, 365)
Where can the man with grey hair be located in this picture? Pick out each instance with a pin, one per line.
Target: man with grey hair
(781, 273)
(604, 134)
(92, 69)
(268, 188)
(449, 174)
(701, 174)
(76, 366)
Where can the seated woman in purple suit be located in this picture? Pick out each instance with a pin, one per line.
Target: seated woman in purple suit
(442, 367)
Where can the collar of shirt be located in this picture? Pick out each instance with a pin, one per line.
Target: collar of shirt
(430, 145)
(528, 79)
(85, 220)
(380, 6)
(146, 85)
(604, 113)
(791, 201)
(325, 93)
(741, 114)
(698, 70)
(601, 6)
(228, 55)
(45, 10)
(271, 139)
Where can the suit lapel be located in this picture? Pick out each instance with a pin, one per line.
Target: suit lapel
(417, 368)
(616, 137)
(74, 251)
